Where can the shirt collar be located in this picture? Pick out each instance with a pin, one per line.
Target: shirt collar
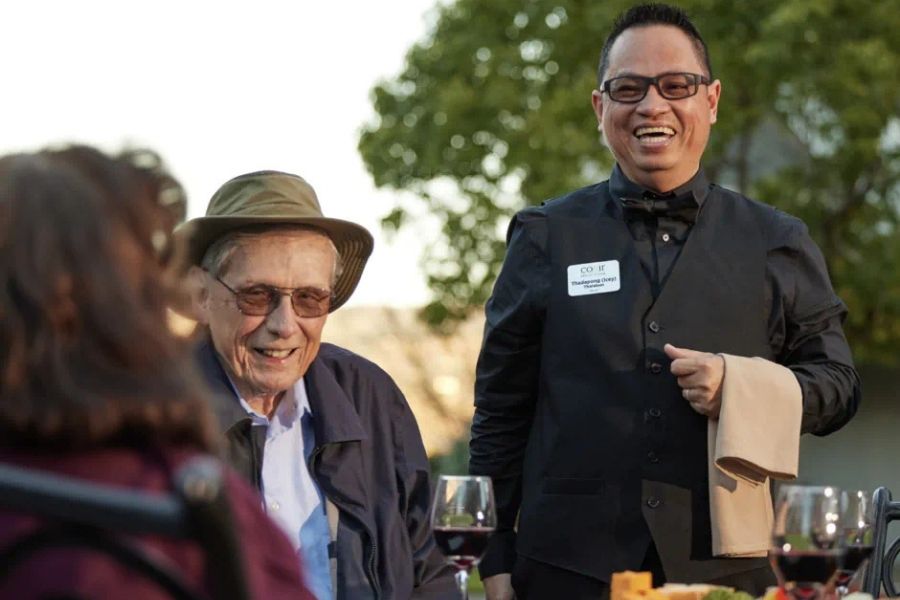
(622, 187)
(293, 405)
(336, 421)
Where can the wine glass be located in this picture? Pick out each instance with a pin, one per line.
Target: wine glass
(806, 538)
(857, 534)
(463, 519)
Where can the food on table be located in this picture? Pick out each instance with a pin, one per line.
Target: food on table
(631, 585)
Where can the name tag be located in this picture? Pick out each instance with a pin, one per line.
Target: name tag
(594, 278)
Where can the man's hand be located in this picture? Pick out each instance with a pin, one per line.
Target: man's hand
(700, 376)
(498, 587)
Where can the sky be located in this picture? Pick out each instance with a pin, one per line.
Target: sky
(219, 89)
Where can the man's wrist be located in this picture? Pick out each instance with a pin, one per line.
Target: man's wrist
(500, 555)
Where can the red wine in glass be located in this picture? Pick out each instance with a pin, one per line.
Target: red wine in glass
(806, 550)
(807, 566)
(853, 559)
(462, 519)
(857, 535)
(463, 546)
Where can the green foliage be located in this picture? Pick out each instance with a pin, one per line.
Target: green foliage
(454, 462)
(492, 112)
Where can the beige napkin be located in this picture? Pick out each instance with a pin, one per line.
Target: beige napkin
(756, 437)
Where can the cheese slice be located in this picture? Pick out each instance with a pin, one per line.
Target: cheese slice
(685, 591)
(630, 585)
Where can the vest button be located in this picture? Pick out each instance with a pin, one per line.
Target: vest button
(655, 368)
(653, 326)
(653, 502)
(655, 413)
(652, 457)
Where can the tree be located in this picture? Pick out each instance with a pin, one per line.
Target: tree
(492, 112)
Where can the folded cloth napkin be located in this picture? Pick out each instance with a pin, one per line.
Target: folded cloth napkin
(756, 437)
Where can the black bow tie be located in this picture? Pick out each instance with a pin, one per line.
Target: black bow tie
(683, 208)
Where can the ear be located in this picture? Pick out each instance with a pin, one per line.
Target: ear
(597, 103)
(197, 283)
(714, 90)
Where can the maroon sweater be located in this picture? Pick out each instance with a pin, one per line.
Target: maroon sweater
(271, 567)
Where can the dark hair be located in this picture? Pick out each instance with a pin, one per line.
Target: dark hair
(644, 15)
(86, 357)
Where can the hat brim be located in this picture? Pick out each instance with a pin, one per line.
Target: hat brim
(353, 242)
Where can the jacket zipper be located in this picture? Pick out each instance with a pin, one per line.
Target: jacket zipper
(373, 576)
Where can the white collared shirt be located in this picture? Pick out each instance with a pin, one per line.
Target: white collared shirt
(291, 497)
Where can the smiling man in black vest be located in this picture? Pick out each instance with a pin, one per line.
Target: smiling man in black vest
(601, 367)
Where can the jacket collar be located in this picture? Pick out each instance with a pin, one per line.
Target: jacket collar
(224, 401)
(335, 419)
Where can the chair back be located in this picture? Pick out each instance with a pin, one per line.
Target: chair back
(880, 571)
(76, 513)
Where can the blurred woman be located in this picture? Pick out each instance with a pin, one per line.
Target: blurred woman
(92, 384)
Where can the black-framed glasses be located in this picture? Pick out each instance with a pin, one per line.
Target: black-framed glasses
(260, 299)
(671, 86)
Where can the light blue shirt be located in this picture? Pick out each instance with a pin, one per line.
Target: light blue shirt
(291, 497)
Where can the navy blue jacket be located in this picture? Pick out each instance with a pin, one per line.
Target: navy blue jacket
(370, 462)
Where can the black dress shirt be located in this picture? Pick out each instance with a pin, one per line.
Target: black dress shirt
(658, 238)
(803, 321)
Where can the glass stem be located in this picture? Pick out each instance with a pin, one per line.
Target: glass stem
(462, 582)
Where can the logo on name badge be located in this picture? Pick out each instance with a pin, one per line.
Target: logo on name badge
(594, 278)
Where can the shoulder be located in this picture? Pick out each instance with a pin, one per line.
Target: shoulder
(779, 228)
(340, 359)
(352, 369)
(375, 396)
(572, 203)
(582, 202)
(145, 467)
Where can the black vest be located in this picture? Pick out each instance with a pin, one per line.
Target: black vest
(616, 455)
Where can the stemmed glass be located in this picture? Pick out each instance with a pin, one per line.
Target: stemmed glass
(463, 519)
(857, 534)
(806, 539)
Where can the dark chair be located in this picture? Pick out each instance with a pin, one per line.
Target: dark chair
(880, 571)
(88, 515)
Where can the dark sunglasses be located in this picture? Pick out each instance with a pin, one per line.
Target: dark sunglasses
(671, 86)
(259, 300)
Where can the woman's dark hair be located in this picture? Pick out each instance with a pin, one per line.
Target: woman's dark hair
(86, 357)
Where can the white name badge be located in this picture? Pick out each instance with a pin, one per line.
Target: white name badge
(594, 278)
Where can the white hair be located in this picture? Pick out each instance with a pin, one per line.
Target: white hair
(218, 256)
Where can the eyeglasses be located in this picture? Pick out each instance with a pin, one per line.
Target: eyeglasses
(260, 299)
(631, 89)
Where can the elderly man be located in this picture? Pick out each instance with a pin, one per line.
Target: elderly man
(325, 435)
(602, 378)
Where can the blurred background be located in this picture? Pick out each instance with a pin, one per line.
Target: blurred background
(432, 123)
(219, 89)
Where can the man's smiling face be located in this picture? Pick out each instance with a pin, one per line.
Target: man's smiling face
(266, 355)
(658, 143)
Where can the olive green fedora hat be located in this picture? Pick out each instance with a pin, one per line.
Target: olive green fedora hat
(275, 198)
